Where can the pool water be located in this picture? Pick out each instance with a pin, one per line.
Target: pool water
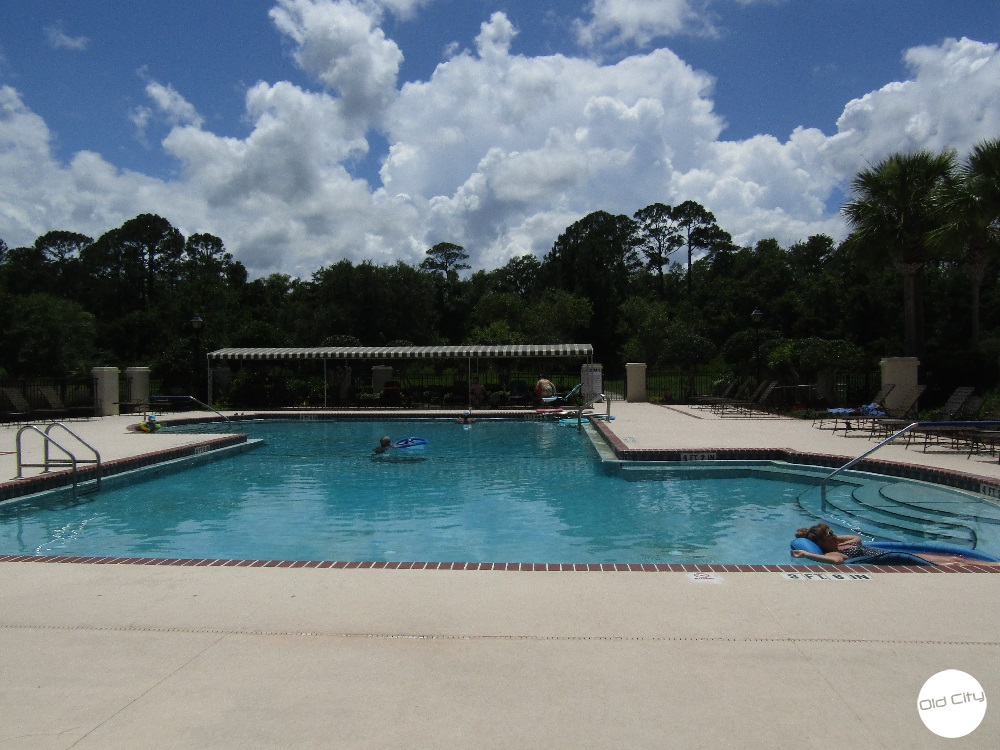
(493, 491)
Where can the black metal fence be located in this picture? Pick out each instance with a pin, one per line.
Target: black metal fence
(27, 399)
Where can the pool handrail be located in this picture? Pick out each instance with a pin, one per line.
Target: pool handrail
(48, 462)
(581, 407)
(191, 398)
(911, 426)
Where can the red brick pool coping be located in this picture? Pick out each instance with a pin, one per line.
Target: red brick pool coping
(510, 567)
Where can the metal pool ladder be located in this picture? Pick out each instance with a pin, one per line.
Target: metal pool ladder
(889, 439)
(49, 462)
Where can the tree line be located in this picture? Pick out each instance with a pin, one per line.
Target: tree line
(917, 276)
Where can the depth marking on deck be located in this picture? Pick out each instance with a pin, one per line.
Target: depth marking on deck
(705, 577)
(828, 576)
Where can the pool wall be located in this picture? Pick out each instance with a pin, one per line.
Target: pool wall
(956, 479)
(63, 479)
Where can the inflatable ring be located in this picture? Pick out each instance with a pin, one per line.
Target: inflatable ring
(410, 442)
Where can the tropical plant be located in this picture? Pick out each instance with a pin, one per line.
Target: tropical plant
(970, 206)
(892, 214)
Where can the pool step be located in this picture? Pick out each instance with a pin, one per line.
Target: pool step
(865, 508)
(941, 503)
(875, 503)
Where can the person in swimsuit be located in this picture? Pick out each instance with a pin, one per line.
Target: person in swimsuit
(838, 549)
(383, 445)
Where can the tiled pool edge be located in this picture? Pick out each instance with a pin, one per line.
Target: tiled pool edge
(15, 488)
(956, 479)
(499, 567)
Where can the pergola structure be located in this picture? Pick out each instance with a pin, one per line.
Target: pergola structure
(374, 353)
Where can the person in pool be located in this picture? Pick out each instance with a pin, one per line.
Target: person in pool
(465, 417)
(838, 549)
(383, 445)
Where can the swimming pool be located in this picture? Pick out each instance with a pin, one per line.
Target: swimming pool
(494, 491)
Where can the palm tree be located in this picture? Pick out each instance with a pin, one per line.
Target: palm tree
(892, 213)
(970, 206)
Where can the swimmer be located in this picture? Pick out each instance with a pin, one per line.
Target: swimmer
(383, 445)
(465, 417)
(838, 549)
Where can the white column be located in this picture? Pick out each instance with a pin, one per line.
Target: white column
(592, 380)
(635, 382)
(902, 372)
(105, 391)
(138, 391)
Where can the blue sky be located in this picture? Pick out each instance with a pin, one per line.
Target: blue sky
(270, 122)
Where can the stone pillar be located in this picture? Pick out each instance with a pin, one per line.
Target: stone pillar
(380, 374)
(138, 388)
(105, 391)
(592, 380)
(635, 382)
(902, 373)
(826, 387)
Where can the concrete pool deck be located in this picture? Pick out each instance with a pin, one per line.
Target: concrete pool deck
(127, 656)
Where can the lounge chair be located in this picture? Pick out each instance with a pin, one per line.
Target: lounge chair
(57, 407)
(755, 404)
(562, 400)
(741, 395)
(20, 410)
(846, 415)
(724, 391)
(961, 406)
(902, 414)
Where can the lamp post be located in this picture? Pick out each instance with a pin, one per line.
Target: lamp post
(196, 325)
(756, 317)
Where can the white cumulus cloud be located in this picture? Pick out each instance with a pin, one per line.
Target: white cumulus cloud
(59, 39)
(496, 151)
(340, 44)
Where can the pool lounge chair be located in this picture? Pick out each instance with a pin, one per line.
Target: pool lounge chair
(946, 413)
(754, 405)
(562, 400)
(846, 415)
(57, 407)
(724, 391)
(960, 406)
(19, 409)
(741, 395)
(902, 414)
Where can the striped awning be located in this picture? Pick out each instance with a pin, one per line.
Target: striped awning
(407, 352)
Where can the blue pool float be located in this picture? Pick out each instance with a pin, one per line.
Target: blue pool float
(899, 553)
(569, 421)
(410, 442)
